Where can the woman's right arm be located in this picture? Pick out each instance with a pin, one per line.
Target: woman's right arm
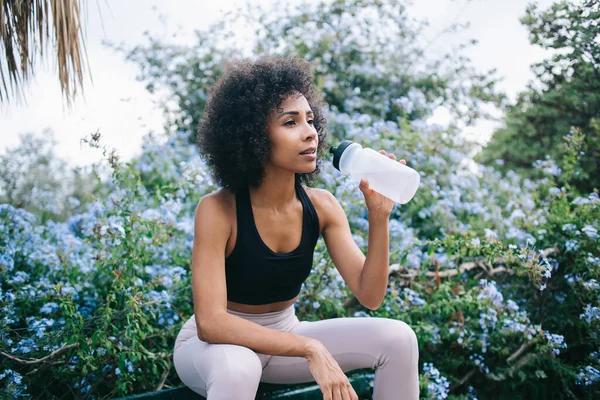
(215, 325)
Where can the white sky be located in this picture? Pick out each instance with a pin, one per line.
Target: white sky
(503, 44)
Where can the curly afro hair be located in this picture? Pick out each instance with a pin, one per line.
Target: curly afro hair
(232, 135)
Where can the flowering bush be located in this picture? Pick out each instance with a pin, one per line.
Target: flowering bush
(498, 277)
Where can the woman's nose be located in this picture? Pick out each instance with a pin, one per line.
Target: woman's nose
(311, 133)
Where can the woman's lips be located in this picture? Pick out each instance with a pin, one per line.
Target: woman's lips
(309, 156)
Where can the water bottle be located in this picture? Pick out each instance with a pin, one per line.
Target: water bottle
(392, 179)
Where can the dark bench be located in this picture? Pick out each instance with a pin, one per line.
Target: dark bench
(361, 381)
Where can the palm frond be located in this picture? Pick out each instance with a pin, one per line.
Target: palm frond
(25, 29)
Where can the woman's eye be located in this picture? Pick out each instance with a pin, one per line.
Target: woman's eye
(292, 121)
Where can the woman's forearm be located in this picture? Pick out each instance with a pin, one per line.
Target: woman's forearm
(225, 328)
(374, 276)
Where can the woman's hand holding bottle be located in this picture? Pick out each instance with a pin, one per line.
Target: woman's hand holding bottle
(377, 204)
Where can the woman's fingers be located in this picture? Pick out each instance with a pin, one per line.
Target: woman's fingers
(392, 156)
(351, 392)
(345, 391)
(337, 393)
(332, 380)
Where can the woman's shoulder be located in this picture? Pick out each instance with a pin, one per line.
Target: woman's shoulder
(322, 200)
(319, 197)
(222, 199)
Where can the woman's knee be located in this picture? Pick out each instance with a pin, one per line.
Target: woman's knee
(398, 336)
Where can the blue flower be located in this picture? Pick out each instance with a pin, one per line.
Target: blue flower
(590, 231)
(556, 342)
(413, 298)
(591, 313)
(49, 308)
(554, 190)
(572, 245)
(588, 376)
(129, 365)
(15, 377)
(512, 306)
(591, 285)
(25, 346)
(7, 261)
(490, 292)
(19, 278)
(569, 228)
(361, 314)
(438, 386)
(478, 359)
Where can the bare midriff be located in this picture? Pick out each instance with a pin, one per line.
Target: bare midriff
(262, 308)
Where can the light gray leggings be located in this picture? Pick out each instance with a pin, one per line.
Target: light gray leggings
(227, 371)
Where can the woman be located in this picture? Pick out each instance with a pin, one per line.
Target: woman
(263, 136)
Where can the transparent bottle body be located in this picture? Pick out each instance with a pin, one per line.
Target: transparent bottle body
(386, 176)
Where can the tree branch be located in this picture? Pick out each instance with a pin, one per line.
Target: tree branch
(480, 262)
(45, 366)
(163, 378)
(521, 363)
(524, 347)
(49, 358)
(463, 380)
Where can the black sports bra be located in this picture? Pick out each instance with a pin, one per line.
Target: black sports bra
(257, 275)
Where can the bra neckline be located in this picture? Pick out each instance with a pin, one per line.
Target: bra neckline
(255, 228)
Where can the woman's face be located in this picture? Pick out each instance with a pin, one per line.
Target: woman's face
(291, 131)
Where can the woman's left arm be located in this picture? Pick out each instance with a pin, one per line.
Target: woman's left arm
(367, 277)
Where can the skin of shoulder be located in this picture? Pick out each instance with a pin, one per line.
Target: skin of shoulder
(324, 202)
(225, 200)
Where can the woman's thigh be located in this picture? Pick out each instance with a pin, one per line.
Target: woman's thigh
(222, 367)
(354, 343)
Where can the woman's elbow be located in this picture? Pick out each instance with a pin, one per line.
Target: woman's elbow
(373, 306)
(206, 329)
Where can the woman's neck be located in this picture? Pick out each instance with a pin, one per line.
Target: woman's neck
(275, 191)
